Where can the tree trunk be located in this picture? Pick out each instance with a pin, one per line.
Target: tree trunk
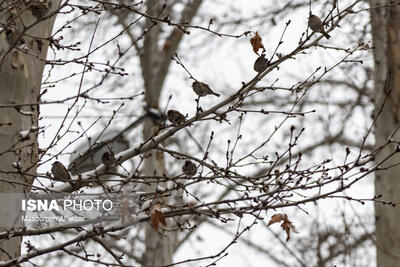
(20, 80)
(385, 23)
(155, 63)
(159, 247)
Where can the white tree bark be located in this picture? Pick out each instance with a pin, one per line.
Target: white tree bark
(20, 81)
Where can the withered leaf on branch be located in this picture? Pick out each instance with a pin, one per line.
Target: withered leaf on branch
(286, 224)
(276, 218)
(157, 217)
(256, 43)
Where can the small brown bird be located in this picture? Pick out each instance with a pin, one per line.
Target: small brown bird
(316, 25)
(59, 172)
(175, 117)
(39, 10)
(261, 63)
(202, 89)
(189, 168)
(107, 159)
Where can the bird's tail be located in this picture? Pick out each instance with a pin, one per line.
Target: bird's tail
(326, 34)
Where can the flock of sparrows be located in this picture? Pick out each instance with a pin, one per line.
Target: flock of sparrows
(314, 23)
(201, 89)
(60, 173)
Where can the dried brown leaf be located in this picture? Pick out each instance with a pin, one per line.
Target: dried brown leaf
(256, 43)
(157, 217)
(286, 224)
(276, 218)
(287, 230)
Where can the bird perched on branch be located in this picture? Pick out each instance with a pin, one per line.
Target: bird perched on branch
(60, 173)
(175, 117)
(108, 159)
(202, 89)
(189, 168)
(39, 9)
(261, 63)
(316, 25)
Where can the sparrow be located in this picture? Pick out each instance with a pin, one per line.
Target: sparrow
(261, 63)
(189, 168)
(39, 9)
(59, 172)
(107, 159)
(202, 89)
(175, 117)
(316, 25)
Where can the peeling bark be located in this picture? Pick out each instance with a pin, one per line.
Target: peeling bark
(20, 80)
